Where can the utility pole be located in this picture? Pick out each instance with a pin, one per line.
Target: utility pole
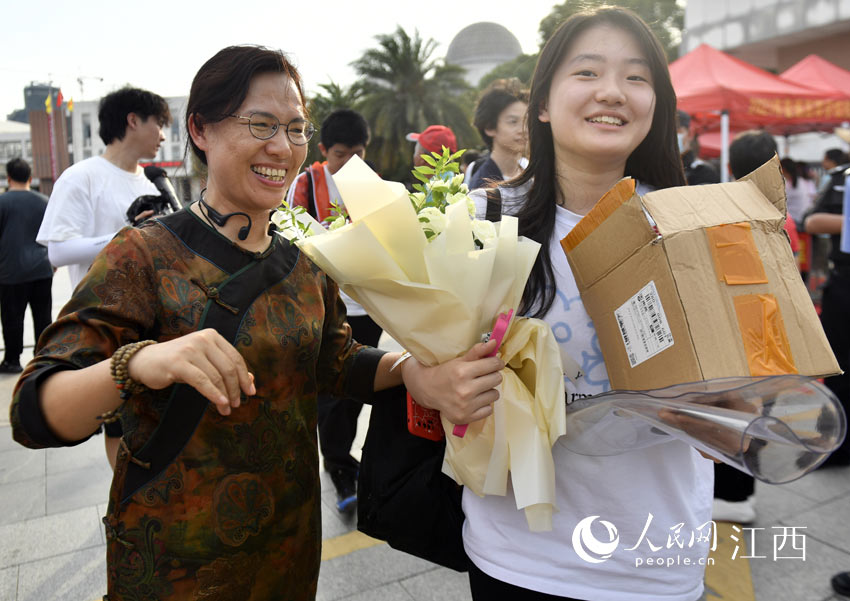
(82, 78)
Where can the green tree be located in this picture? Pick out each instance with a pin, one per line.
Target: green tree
(404, 89)
(522, 67)
(332, 97)
(665, 17)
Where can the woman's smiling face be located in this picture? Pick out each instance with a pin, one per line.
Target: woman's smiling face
(246, 173)
(601, 100)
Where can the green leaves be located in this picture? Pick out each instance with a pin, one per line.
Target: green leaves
(286, 219)
(441, 185)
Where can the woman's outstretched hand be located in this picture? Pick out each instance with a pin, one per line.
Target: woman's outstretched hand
(462, 389)
(204, 360)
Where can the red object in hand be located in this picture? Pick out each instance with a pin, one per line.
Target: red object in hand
(423, 422)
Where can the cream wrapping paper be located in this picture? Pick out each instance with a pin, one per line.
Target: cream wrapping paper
(519, 435)
(437, 300)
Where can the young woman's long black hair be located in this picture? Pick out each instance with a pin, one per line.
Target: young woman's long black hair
(656, 161)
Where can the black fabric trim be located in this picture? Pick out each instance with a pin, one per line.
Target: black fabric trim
(186, 405)
(208, 243)
(361, 377)
(31, 414)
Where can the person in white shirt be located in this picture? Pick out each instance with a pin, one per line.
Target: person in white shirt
(90, 199)
(601, 107)
(89, 202)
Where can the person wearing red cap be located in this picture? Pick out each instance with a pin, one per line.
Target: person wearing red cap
(432, 139)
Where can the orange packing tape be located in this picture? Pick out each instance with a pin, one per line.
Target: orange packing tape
(604, 208)
(763, 332)
(736, 258)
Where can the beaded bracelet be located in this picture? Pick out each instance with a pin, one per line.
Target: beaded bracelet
(118, 368)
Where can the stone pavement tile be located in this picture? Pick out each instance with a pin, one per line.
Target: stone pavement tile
(48, 536)
(7, 443)
(794, 579)
(73, 489)
(9, 584)
(21, 464)
(22, 500)
(828, 523)
(87, 454)
(775, 503)
(333, 523)
(822, 484)
(389, 592)
(439, 584)
(101, 512)
(80, 576)
(365, 570)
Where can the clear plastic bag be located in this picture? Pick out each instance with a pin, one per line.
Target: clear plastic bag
(777, 428)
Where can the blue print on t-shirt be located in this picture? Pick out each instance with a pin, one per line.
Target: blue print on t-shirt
(561, 329)
(594, 362)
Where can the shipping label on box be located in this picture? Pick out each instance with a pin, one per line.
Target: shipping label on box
(695, 283)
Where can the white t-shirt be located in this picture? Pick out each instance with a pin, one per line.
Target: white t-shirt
(90, 199)
(670, 481)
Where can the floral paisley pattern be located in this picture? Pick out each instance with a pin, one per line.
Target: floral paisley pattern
(242, 505)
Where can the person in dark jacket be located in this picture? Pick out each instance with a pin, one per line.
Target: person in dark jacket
(26, 276)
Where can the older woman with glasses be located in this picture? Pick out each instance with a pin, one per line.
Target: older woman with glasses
(209, 337)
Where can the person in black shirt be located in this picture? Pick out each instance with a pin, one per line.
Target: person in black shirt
(826, 218)
(26, 276)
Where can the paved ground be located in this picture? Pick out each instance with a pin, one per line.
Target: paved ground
(52, 544)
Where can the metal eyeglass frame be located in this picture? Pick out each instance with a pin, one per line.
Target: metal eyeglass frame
(309, 128)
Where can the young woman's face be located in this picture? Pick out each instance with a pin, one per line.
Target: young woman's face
(246, 173)
(510, 133)
(601, 100)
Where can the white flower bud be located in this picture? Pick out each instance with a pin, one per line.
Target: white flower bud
(483, 231)
(436, 220)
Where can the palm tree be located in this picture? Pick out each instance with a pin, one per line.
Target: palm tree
(405, 90)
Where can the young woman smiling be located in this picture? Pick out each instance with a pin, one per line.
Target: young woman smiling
(601, 107)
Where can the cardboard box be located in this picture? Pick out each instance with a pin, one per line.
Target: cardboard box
(695, 283)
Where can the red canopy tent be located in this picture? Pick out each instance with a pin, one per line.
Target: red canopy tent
(721, 92)
(819, 74)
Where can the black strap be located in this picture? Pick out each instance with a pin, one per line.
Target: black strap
(186, 406)
(494, 205)
(311, 201)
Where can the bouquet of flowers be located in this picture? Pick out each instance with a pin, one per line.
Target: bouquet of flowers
(435, 279)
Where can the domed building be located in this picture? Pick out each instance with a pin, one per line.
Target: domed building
(481, 47)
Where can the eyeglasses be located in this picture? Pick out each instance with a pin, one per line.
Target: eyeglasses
(264, 126)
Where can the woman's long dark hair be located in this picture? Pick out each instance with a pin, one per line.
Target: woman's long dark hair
(656, 160)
